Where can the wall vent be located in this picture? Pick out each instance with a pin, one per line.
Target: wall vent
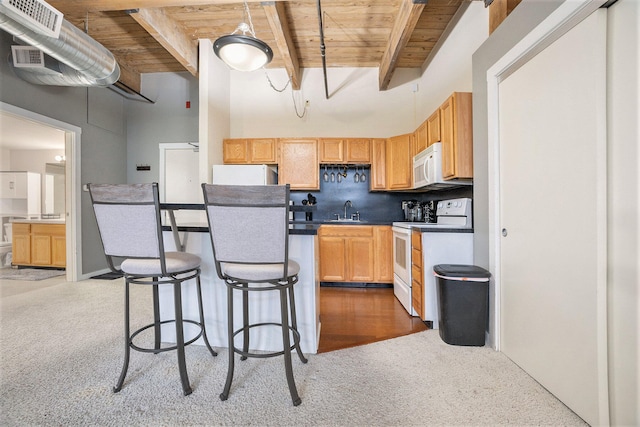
(27, 57)
(42, 17)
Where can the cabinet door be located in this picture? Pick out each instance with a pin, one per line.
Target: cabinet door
(383, 256)
(298, 163)
(360, 259)
(262, 151)
(331, 150)
(378, 173)
(433, 128)
(58, 251)
(21, 244)
(456, 135)
(332, 259)
(235, 151)
(447, 133)
(41, 249)
(399, 168)
(358, 151)
(420, 141)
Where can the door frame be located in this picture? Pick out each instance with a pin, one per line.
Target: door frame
(73, 207)
(560, 21)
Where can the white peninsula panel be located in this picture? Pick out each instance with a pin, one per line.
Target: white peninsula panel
(263, 306)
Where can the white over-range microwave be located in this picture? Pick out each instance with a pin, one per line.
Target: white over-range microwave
(427, 170)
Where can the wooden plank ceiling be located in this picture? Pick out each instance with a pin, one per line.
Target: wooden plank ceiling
(150, 36)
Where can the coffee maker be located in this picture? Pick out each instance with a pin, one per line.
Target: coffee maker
(412, 210)
(415, 211)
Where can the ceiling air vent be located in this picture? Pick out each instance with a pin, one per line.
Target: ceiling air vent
(36, 14)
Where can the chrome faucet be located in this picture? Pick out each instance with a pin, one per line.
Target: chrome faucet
(347, 204)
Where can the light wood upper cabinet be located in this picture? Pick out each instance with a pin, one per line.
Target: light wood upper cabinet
(420, 141)
(358, 150)
(331, 150)
(456, 135)
(345, 150)
(433, 128)
(298, 163)
(359, 253)
(399, 162)
(378, 174)
(249, 151)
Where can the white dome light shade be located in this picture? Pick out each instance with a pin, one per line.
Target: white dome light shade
(243, 53)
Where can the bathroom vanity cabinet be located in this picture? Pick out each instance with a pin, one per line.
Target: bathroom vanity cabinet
(39, 244)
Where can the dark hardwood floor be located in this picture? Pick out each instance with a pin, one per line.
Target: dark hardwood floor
(358, 316)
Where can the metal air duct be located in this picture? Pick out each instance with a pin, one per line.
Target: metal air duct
(83, 61)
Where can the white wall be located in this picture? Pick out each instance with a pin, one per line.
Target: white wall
(624, 205)
(167, 120)
(355, 106)
(450, 69)
(214, 108)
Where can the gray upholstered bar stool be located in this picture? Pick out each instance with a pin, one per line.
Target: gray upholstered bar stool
(130, 227)
(249, 227)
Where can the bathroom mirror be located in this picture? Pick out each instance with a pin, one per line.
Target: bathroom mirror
(54, 189)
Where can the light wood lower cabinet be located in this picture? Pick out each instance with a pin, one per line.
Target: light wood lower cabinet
(417, 284)
(42, 245)
(356, 253)
(21, 244)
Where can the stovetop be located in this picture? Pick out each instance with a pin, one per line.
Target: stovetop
(408, 224)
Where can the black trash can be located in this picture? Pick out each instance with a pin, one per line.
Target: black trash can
(463, 303)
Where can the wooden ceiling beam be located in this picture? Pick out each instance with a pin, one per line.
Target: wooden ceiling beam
(170, 36)
(130, 78)
(277, 17)
(406, 20)
(107, 5)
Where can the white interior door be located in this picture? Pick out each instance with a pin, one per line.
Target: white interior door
(552, 212)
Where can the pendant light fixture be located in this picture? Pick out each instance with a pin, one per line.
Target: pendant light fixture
(243, 52)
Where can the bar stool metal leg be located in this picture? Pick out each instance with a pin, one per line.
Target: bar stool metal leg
(227, 386)
(204, 330)
(156, 316)
(177, 296)
(245, 321)
(127, 340)
(286, 344)
(294, 324)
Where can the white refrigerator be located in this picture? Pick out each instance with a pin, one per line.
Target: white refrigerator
(244, 175)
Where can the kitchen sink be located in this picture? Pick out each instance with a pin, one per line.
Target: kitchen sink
(346, 220)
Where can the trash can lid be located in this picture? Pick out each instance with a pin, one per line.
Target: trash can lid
(461, 271)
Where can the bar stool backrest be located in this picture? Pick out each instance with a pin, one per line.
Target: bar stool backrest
(248, 224)
(128, 217)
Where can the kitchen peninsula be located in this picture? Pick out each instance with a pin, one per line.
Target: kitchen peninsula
(264, 307)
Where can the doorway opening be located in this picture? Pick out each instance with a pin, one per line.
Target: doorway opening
(72, 185)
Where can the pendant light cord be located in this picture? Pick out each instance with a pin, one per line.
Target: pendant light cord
(295, 106)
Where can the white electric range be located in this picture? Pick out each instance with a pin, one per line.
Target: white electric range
(447, 241)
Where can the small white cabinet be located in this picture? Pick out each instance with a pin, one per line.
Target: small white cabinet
(20, 193)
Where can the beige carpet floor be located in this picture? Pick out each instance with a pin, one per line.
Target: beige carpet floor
(61, 352)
